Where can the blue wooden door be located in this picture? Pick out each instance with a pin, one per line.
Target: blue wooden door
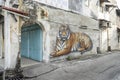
(25, 43)
(31, 42)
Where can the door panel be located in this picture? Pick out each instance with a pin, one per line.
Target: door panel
(25, 44)
(32, 42)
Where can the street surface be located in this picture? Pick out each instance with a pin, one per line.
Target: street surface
(105, 67)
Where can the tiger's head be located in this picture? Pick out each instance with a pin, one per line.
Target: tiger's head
(64, 32)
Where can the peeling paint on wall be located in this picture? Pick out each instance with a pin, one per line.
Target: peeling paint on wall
(68, 41)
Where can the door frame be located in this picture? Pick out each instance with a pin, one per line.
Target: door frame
(45, 26)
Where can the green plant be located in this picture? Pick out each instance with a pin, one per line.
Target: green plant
(69, 58)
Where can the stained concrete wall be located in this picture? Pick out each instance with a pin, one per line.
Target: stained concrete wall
(75, 19)
(103, 40)
(87, 8)
(113, 30)
(14, 44)
(109, 36)
(10, 60)
(90, 8)
(58, 17)
(114, 38)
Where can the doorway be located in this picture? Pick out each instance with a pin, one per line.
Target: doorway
(31, 42)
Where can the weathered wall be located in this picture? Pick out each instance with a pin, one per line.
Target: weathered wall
(81, 19)
(87, 8)
(14, 42)
(109, 35)
(59, 17)
(10, 60)
(103, 40)
(113, 30)
(62, 4)
(90, 8)
(82, 22)
(100, 38)
(114, 38)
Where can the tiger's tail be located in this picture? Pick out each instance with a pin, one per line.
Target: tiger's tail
(89, 48)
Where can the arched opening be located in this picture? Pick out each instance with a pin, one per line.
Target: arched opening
(31, 42)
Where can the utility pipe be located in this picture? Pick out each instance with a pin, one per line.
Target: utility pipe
(15, 10)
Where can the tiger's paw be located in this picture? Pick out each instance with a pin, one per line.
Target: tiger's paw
(53, 55)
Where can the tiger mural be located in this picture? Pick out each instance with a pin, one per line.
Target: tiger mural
(68, 41)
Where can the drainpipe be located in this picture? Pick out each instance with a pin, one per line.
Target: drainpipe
(15, 10)
(108, 40)
(100, 32)
(99, 47)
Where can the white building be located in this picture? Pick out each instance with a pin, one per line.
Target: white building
(36, 25)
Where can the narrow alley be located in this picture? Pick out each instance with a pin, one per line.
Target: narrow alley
(104, 67)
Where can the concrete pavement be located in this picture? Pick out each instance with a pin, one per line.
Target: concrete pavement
(97, 67)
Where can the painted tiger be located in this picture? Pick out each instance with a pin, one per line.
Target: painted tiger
(68, 41)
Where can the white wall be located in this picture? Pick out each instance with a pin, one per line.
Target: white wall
(114, 38)
(58, 17)
(104, 39)
(63, 4)
(10, 59)
(1, 2)
(118, 3)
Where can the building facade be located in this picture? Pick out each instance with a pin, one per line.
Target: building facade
(47, 30)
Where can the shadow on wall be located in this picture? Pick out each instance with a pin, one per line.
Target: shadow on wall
(68, 41)
(93, 15)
